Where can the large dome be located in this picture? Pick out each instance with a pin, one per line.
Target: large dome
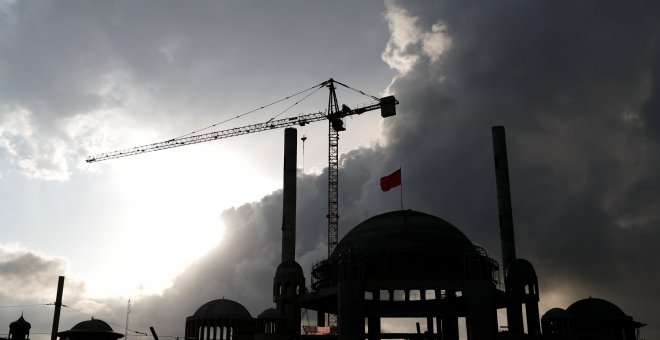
(595, 308)
(222, 308)
(407, 245)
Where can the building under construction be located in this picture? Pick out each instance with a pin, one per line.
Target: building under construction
(398, 265)
(408, 264)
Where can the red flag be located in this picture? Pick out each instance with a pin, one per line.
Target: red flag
(391, 181)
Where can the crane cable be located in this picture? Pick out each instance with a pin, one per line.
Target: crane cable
(358, 91)
(294, 104)
(317, 87)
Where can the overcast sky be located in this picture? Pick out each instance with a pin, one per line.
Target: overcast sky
(574, 83)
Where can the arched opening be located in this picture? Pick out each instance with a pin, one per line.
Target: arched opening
(384, 295)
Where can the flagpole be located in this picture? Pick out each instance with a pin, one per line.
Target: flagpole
(401, 191)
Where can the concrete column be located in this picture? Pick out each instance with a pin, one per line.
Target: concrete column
(481, 315)
(449, 327)
(448, 321)
(350, 289)
(429, 326)
(351, 312)
(514, 318)
(532, 314)
(320, 319)
(374, 321)
(374, 328)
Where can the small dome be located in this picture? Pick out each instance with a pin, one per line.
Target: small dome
(557, 313)
(408, 245)
(222, 308)
(93, 325)
(20, 324)
(521, 269)
(289, 270)
(271, 314)
(90, 329)
(595, 308)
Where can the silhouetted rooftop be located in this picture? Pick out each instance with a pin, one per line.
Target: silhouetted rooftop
(595, 308)
(20, 324)
(557, 313)
(90, 329)
(222, 308)
(521, 268)
(289, 269)
(92, 325)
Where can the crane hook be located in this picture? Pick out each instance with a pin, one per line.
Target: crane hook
(303, 139)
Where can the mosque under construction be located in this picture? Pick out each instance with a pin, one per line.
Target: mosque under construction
(408, 264)
(405, 265)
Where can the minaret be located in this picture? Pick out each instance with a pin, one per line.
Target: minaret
(289, 280)
(289, 196)
(503, 197)
(514, 308)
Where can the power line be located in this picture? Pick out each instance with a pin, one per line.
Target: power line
(31, 305)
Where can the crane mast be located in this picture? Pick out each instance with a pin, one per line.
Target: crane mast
(335, 125)
(334, 115)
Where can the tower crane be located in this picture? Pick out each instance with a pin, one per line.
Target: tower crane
(334, 115)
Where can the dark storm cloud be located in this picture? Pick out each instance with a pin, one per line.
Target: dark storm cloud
(575, 84)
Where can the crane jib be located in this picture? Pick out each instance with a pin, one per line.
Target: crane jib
(386, 104)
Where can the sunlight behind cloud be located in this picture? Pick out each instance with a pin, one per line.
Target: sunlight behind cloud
(172, 202)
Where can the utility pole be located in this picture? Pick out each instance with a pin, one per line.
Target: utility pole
(128, 311)
(58, 307)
